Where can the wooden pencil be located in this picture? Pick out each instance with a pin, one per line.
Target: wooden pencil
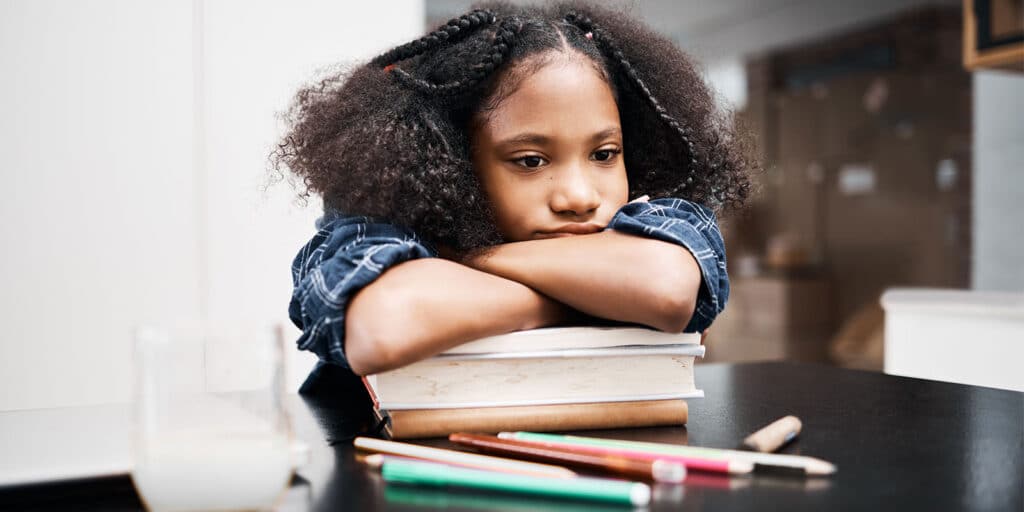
(809, 465)
(770, 438)
(657, 470)
(462, 458)
(692, 462)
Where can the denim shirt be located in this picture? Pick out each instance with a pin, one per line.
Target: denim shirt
(348, 253)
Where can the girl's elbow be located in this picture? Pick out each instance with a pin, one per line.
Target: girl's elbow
(674, 312)
(676, 300)
(367, 353)
(370, 340)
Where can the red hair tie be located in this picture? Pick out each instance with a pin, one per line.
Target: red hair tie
(389, 67)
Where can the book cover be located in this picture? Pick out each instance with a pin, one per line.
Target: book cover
(409, 424)
(560, 338)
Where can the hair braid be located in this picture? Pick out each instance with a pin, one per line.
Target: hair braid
(492, 59)
(454, 30)
(606, 43)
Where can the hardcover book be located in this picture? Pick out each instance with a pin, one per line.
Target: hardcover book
(562, 378)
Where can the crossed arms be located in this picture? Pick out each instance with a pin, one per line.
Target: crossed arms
(424, 306)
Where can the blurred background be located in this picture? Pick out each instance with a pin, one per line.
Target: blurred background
(885, 233)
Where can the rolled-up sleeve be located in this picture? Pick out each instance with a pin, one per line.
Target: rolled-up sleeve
(694, 227)
(345, 255)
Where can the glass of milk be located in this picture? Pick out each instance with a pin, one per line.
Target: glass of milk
(211, 430)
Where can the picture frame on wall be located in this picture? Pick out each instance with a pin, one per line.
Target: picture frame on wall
(994, 34)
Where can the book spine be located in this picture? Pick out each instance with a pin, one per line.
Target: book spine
(544, 402)
(663, 350)
(369, 390)
(417, 423)
(574, 337)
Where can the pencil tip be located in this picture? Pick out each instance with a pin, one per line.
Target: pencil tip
(666, 471)
(374, 461)
(640, 495)
(740, 467)
(820, 467)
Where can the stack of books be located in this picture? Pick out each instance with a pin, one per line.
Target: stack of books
(563, 378)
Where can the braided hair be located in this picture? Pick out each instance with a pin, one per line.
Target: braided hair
(390, 138)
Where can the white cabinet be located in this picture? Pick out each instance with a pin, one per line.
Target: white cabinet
(969, 337)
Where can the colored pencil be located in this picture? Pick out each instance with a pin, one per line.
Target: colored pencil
(690, 462)
(433, 474)
(809, 465)
(472, 460)
(377, 460)
(776, 434)
(658, 470)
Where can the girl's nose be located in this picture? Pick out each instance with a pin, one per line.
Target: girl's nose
(575, 194)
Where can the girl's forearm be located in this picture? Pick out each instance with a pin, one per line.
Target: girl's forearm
(423, 307)
(608, 274)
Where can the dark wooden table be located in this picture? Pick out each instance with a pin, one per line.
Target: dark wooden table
(899, 443)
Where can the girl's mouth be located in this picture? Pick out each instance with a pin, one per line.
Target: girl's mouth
(570, 229)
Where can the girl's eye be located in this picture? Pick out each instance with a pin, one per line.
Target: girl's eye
(531, 162)
(606, 155)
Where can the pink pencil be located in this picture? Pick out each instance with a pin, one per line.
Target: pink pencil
(733, 467)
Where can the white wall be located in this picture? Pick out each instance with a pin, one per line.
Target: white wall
(135, 137)
(254, 58)
(998, 162)
(99, 205)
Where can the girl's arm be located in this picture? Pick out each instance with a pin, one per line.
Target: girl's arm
(422, 307)
(670, 274)
(370, 296)
(608, 274)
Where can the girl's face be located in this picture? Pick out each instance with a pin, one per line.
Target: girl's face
(550, 156)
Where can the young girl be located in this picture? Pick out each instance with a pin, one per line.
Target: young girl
(478, 181)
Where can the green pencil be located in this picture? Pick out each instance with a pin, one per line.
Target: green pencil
(600, 489)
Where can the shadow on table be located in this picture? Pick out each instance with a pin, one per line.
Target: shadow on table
(340, 404)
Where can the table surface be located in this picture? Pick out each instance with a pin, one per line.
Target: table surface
(899, 443)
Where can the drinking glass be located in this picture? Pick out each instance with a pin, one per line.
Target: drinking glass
(211, 430)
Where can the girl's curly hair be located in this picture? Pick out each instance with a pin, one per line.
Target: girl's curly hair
(390, 139)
